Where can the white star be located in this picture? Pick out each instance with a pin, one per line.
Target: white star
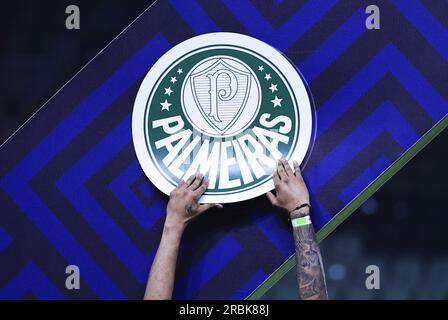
(165, 105)
(168, 91)
(180, 71)
(277, 102)
(173, 80)
(273, 87)
(261, 68)
(267, 76)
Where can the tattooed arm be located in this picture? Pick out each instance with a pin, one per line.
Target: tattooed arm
(291, 191)
(310, 273)
(182, 208)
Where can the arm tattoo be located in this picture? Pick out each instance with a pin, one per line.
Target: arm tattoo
(310, 273)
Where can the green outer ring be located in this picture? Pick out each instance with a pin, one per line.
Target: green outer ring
(273, 66)
(354, 204)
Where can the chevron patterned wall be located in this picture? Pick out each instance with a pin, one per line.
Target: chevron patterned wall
(72, 191)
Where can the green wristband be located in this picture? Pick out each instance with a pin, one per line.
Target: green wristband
(301, 221)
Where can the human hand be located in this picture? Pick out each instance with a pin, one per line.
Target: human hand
(291, 190)
(183, 205)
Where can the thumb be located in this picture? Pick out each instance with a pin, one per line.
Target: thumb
(205, 206)
(271, 198)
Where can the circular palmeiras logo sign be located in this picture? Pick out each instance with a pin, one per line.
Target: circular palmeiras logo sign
(225, 105)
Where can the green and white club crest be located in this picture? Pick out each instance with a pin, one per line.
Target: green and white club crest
(225, 105)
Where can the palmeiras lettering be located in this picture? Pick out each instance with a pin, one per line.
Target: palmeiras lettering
(225, 105)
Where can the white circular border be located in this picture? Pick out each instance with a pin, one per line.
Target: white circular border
(220, 38)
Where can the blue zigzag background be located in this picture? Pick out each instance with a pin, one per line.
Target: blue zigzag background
(72, 191)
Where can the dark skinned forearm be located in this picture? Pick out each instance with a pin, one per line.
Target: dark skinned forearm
(310, 273)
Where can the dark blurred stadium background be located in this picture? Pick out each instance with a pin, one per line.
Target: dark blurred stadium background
(402, 229)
